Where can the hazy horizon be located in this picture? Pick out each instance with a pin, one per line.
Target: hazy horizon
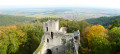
(110, 4)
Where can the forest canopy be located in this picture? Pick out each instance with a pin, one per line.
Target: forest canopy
(24, 38)
(105, 21)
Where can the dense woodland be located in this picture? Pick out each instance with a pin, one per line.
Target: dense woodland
(105, 21)
(95, 38)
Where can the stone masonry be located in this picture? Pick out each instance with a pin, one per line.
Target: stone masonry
(55, 41)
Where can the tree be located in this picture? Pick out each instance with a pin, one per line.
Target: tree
(11, 38)
(101, 45)
(71, 25)
(97, 39)
(20, 38)
(34, 34)
(114, 34)
(83, 25)
(115, 23)
(84, 40)
(96, 30)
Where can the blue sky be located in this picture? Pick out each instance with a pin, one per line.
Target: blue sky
(59, 3)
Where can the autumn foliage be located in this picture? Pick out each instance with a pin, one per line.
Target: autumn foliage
(20, 38)
(94, 39)
(96, 30)
(10, 38)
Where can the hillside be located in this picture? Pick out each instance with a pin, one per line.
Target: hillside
(105, 21)
(6, 20)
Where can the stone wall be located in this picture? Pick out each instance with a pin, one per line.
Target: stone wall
(57, 41)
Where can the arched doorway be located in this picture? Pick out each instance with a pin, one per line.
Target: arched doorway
(49, 51)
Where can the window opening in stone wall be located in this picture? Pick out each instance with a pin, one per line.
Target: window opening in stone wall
(52, 35)
(47, 28)
(56, 48)
(48, 40)
(76, 37)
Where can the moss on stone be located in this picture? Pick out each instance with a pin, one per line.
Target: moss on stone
(39, 49)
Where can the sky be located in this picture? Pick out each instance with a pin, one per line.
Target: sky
(59, 3)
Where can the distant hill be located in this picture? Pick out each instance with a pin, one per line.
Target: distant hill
(6, 20)
(105, 21)
(62, 12)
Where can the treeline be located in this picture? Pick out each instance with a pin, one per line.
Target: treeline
(70, 24)
(105, 21)
(46, 19)
(6, 20)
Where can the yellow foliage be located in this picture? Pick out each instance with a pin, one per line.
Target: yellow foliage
(7, 28)
(0, 32)
(96, 30)
(7, 31)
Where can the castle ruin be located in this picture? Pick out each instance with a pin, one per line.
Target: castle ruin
(58, 41)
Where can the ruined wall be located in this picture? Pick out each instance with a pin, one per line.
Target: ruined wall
(57, 41)
(76, 40)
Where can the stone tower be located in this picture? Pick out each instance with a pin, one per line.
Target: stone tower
(51, 26)
(55, 41)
